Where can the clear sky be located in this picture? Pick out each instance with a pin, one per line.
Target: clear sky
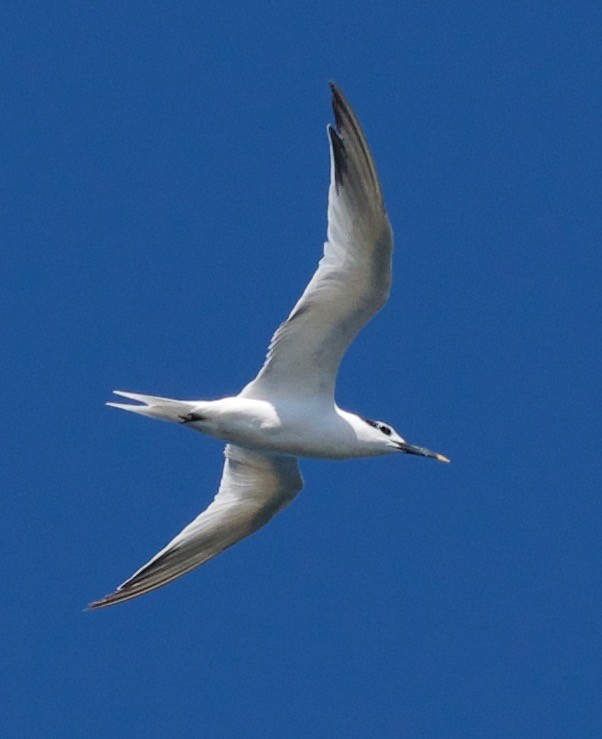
(164, 177)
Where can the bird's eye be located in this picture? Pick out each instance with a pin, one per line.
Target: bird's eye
(380, 426)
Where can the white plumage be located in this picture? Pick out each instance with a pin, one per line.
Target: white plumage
(289, 409)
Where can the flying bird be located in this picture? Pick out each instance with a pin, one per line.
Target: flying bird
(289, 409)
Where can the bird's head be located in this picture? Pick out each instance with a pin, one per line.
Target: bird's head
(390, 441)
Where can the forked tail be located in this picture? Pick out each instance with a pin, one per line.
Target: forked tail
(167, 409)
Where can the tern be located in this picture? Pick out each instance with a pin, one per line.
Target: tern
(289, 409)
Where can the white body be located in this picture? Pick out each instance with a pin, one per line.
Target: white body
(298, 428)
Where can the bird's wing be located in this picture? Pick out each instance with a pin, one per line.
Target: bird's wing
(352, 280)
(254, 487)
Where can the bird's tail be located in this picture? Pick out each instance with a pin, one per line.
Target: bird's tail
(167, 409)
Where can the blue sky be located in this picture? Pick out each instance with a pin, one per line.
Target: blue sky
(164, 177)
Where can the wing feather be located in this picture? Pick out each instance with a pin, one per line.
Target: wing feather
(352, 281)
(254, 487)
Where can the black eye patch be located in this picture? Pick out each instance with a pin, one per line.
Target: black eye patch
(379, 425)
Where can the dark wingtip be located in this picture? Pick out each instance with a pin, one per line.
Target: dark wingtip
(338, 104)
(339, 155)
(349, 131)
(109, 600)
